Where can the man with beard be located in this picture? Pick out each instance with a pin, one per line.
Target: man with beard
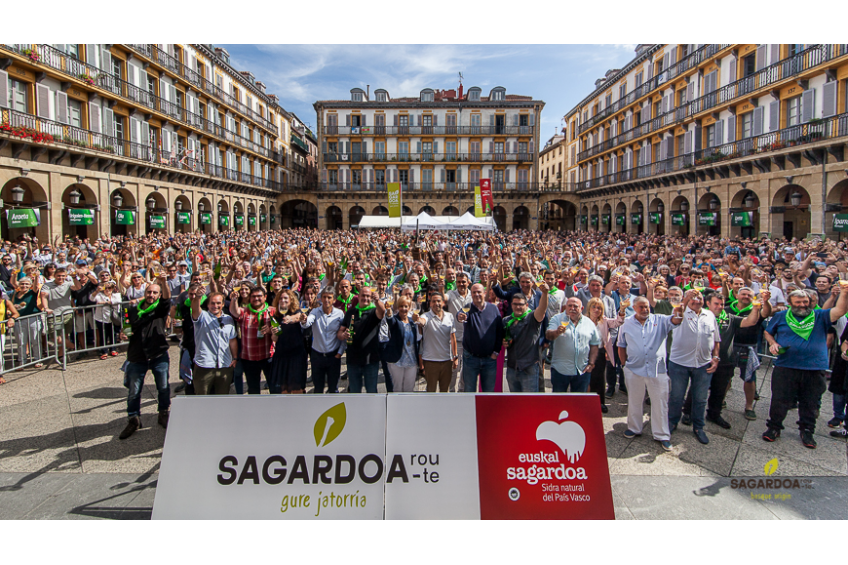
(798, 337)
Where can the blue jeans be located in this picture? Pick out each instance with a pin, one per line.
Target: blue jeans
(135, 379)
(680, 377)
(839, 401)
(561, 383)
(357, 373)
(526, 380)
(472, 366)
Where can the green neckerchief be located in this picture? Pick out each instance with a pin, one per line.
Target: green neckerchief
(553, 291)
(321, 276)
(258, 312)
(422, 280)
(722, 318)
(363, 309)
(803, 328)
(143, 311)
(512, 319)
(202, 300)
(817, 307)
(267, 278)
(343, 301)
(730, 297)
(450, 285)
(741, 312)
(354, 291)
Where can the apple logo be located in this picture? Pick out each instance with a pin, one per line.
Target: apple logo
(568, 436)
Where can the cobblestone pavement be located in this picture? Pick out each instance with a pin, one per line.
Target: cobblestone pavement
(60, 456)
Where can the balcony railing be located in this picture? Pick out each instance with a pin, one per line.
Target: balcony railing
(414, 187)
(691, 60)
(164, 59)
(299, 143)
(96, 77)
(767, 76)
(811, 132)
(429, 130)
(427, 157)
(66, 135)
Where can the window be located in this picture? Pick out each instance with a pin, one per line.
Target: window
(333, 147)
(684, 51)
(356, 176)
(118, 126)
(639, 79)
(682, 98)
(474, 95)
(450, 122)
(74, 113)
(403, 176)
(747, 125)
(380, 177)
(333, 176)
(403, 147)
(427, 121)
(499, 94)
(356, 97)
(179, 99)
(355, 120)
(427, 150)
(711, 137)
(476, 120)
(403, 121)
(793, 111)
(427, 178)
(151, 85)
(450, 147)
(382, 97)
(524, 120)
(474, 176)
(608, 100)
(474, 148)
(72, 49)
(622, 91)
(18, 99)
(795, 48)
(380, 148)
(116, 68)
(522, 149)
(499, 177)
(749, 65)
(427, 96)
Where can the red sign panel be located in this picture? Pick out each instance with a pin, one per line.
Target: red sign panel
(486, 195)
(542, 457)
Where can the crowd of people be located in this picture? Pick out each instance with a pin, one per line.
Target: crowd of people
(666, 320)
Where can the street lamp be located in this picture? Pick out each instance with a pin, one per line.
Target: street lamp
(795, 199)
(749, 201)
(178, 205)
(200, 206)
(74, 196)
(660, 207)
(714, 204)
(17, 195)
(684, 206)
(220, 207)
(117, 200)
(151, 203)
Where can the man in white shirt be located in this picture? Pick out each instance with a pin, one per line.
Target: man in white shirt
(327, 349)
(693, 356)
(438, 345)
(457, 299)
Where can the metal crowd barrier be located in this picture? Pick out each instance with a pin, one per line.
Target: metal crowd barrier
(81, 329)
(27, 343)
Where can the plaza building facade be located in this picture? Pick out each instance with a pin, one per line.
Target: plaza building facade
(437, 145)
(129, 138)
(721, 139)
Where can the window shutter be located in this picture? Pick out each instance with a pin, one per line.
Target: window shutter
(133, 131)
(4, 89)
(43, 101)
(347, 176)
(62, 107)
(396, 119)
(491, 120)
(719, 133)
(515, 120)
(365, 147)
(443, 175)
(459, 175)
(108, 122)
(532, 119)
(759, 116)
(627, 127)
(347, 119)
(362, 120)
(491, 147)
(731, 73)
(672, 60)
(94, 117)
(418, 147)
(419, 119)
(491, 176)
(731, 129)
(435, 120)
(710, 84)
(829, 99)
(774, 116)
(172, 93)
(91, 55)
(506, 175)
(145, 134)
(650, 71)
(761, 57)
(666, 59)
(775, 53)
(669, 149)
(435, 147)
(687, 142)
(690, 91)
(411, 175)
(808, 100)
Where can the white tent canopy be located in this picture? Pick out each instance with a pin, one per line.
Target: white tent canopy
(377, 222)
(425, 221)
(469, 221)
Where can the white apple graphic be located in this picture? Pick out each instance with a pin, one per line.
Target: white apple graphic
(568, 436)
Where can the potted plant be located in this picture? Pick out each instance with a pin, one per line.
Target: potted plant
(86, 78)
(32, 55)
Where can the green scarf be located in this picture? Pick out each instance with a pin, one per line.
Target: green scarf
(553, 291)
(364, 309)
(343, 301)
(741, 312)
(321, 276)
(143, 311)
(722, 318)
(202, 300)
(450, 285)
(803, 328)
(258, 312)
(513, 319)
(267, 278)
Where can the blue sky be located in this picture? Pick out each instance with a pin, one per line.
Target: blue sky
(560, 75)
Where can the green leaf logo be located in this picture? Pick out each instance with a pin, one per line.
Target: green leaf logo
(771, 467)
(330, 424)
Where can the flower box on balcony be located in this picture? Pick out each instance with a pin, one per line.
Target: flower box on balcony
(32, 55)
(86, 79)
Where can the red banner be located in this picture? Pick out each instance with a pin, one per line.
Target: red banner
(486, 195)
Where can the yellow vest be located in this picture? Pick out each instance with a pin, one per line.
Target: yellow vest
(2, 315)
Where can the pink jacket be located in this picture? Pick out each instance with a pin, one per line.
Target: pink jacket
(604, 328)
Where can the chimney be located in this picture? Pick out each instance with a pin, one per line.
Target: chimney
(367, 92)
(261, 86)
(223, 54)
(460, 91)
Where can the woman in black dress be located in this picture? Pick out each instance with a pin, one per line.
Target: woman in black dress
(288, 366)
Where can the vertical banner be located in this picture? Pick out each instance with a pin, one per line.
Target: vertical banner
(478, 203)
(486, 196)
(183, 218)
(394, 199)
(23, 217)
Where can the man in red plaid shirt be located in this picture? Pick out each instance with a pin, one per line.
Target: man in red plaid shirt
(255, 324)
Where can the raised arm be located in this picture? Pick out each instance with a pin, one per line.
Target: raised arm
(841, 307)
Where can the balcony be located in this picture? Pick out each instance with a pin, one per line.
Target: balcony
(466, 188)
(165, 60)
(22, 127)
(94, 77)
(692, 60)
(429, 130)
(428, 157)
(299, 143)
(727, 154)
(742, 88)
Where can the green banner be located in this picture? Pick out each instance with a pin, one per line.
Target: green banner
(840, 222)
(273, 218)
(262, 218)
(746, 219)
(125, 217)
(584, 219)
(224, 220)
(206, 217)
(707, 218)
(678, 219)
(636, 219)
(239, 219)
(619, 220)
(605, 219)
(157, 222)
(23, 217)
(183, 217)
(656, 217)
(594, 220)
(251, 220)
(81, 216)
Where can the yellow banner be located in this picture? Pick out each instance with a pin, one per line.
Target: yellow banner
(478, 203)
(394, 199)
